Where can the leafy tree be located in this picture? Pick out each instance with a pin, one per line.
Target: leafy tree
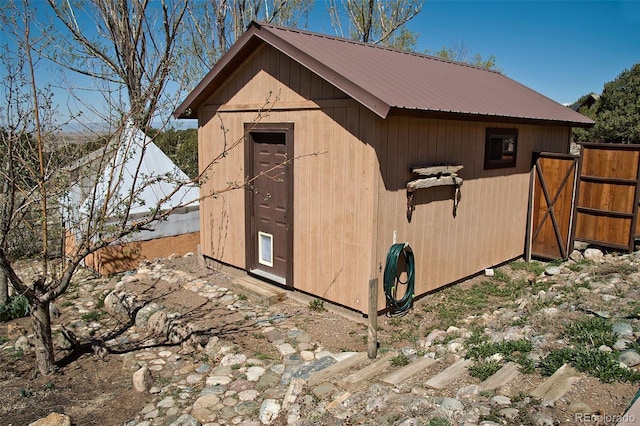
(588, 110)
(376, 21)
(181, 146)
(617, 111)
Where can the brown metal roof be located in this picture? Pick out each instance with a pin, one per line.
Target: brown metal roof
(386, 80)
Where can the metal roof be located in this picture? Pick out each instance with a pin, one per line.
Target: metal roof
(387, 80)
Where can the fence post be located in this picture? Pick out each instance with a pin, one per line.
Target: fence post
(372, 346)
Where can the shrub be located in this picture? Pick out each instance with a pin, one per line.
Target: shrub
(16, 307)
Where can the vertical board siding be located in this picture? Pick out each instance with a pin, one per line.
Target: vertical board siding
(350, 175)
(490, 226)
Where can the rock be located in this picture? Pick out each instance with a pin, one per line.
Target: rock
(185, 420)
(218, 380)
(167, 402)
(248, 395)
(307, 355)
(580, 245)
(192, 379)
(435, 335)
(130, 363)
(451, 405)
(594, 255)
(622, 329)
(500, 400)
(202, 368)
(605, 348)
(376, 403)
(286, 349)
(53, 419)
(22, 344)
(630, 358)
(468, 393)
(273, 334)
(246, 408)
(157, 323)
(60, 341)
(323, 390)
(142, 380)
(552, 270)
(269, 411)
(455, 347)
(509, 413)
(621, 344)
(549, 312)
(579, 407)
(206, 401)
(489, 272)
(233, 359)
(113, 304)
(142, 317)
(541, 419)
(254, 373)
(576, 256)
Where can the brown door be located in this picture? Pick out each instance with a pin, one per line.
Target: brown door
(269, 202)
(555, 182)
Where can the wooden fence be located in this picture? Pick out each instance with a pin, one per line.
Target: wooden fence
(607, 208)
(591, 198)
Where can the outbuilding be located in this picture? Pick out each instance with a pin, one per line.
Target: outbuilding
(343, 148)
(129, 176)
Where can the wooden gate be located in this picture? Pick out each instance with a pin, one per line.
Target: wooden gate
(555, 182)
(608, 201)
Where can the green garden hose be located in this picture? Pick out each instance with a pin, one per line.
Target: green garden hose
(392, 280)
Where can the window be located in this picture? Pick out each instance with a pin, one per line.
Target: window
(500, 148)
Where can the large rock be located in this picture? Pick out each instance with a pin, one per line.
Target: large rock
(144, 313)
(53, 419)
(594, 255)
(269, 411)
(142, 380)
(157, 323)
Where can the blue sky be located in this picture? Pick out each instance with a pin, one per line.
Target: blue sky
(562, 49)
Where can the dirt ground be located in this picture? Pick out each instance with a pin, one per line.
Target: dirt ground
(96, 390)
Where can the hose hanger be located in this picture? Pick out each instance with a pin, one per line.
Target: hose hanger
(399, 254)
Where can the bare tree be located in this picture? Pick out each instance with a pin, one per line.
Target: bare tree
(376, 21)
(132, 48)
(104, 216)
(214, 25)
(138, 61)
(459, 52)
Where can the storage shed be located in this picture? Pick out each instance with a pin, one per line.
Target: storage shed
(342, 145)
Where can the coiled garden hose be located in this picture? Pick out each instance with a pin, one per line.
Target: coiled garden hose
(392, 280)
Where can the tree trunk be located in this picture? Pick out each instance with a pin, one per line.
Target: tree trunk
(4, 288)
(43, 341)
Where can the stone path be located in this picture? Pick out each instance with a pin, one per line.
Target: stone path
(206, 380)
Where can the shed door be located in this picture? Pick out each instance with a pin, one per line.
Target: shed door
(269, 202)
(555, 183)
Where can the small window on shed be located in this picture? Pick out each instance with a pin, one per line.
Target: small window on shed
(500, 148)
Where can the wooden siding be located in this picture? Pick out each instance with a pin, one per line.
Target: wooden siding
(350, 175)
(333, 175)
(490, 226)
